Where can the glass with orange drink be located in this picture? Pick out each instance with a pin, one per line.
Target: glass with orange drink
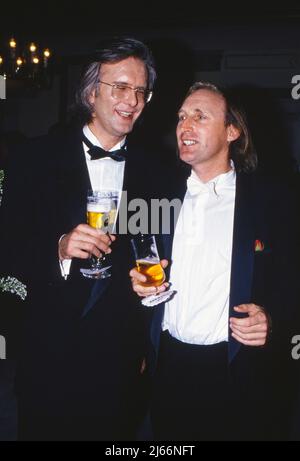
(147, 260)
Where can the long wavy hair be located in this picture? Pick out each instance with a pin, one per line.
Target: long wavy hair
(242, 150)
(111, 51)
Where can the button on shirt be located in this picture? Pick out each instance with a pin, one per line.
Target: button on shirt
(104, 173)
(201, 262)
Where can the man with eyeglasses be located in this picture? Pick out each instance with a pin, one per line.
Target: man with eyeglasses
(81, 355)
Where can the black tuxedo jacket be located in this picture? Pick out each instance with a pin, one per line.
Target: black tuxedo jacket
(82, 340)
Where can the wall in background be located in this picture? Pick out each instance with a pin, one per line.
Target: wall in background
(259, 57)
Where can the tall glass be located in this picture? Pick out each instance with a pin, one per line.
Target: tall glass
(102, 209)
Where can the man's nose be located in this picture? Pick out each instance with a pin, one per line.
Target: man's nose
(187, 124)
(132, 98)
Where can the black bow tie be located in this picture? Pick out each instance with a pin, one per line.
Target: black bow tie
(97, 152)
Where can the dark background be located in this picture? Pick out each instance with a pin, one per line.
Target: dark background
(254, 49)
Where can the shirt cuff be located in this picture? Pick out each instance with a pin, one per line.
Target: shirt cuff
(65, 264)
(65, 267)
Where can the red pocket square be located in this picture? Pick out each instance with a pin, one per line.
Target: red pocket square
(259, 245)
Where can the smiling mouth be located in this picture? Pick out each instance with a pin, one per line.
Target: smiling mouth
(124, 114)
(189, 142)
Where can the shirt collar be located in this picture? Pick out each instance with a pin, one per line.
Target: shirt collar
(94, 140)
(223, 180)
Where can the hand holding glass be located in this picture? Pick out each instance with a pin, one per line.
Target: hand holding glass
(101, 214)
(147, 260)
(148, 264)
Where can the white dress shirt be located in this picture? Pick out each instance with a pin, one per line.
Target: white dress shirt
(201, 262)
(104, 173)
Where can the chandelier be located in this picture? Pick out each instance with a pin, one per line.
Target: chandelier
(25, 65)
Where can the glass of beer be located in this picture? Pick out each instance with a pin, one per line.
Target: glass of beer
(147, 260)
(101, 214)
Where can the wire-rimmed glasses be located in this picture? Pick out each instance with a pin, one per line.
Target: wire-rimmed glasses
(122, 91)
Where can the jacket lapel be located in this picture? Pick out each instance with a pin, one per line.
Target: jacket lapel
(74, 182)
(242, 253)
(167, 239)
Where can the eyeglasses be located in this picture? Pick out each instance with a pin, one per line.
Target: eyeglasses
(122, 91)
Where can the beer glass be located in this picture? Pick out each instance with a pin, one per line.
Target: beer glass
(101, 214)
(147, 260)
(148, 264)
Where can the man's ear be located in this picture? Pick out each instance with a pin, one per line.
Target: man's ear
(233, 133)
(92, 97)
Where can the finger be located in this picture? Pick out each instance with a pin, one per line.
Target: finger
(249, 321)
(162, 288)
(164, 263)
(105, 238)
(88, 248)
(80, 253)
(140, 290)
(75, 249)
(103, 247)
(258, 342)
(88, 230)
(133, 272)
(77, 240)
(82, 231)
(147, 291)
(100, 242)
(260, 327)
(243, 307)
(136, 275)
(245, 322)
(249, 308)
(250, 336)
(111, 237)
(78, 236)
(85, 232)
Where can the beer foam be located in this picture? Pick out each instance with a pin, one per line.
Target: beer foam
(102, 207)
(148, 261)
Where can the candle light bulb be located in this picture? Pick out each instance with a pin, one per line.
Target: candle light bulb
(47, 53)
(12, 43)
(1, 60)
(19, 62)
(35, 60)
(32, 47)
